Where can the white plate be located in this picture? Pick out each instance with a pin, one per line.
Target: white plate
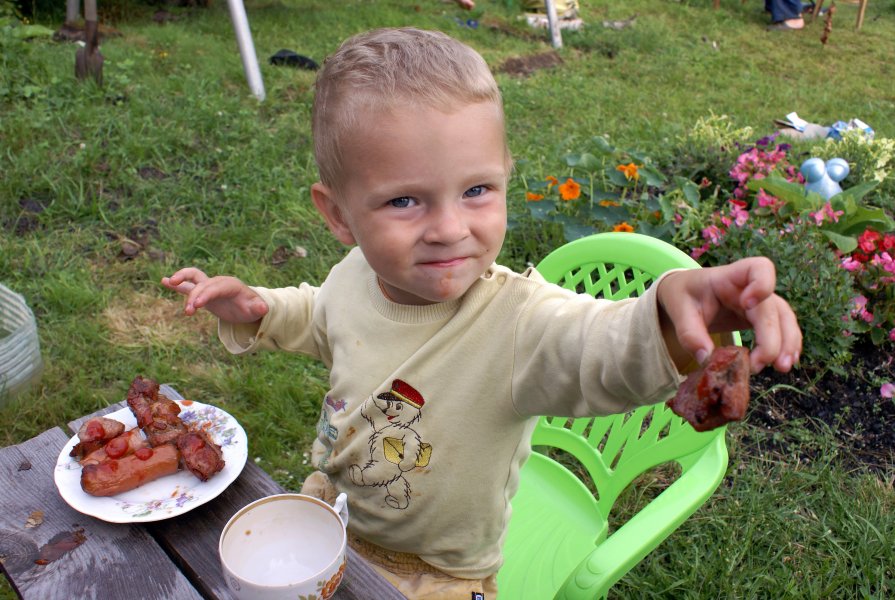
(168, 496)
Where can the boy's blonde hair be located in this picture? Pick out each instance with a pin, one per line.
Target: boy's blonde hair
(381, 71)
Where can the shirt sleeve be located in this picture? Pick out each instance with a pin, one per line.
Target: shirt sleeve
(578, 356)
(288, 325)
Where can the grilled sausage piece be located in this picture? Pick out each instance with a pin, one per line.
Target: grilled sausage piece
(114, 476)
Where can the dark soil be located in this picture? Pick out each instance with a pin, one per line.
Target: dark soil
(524, 66)
(849, 407)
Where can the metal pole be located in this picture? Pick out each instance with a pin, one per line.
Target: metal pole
(553, 24)
(246, 47)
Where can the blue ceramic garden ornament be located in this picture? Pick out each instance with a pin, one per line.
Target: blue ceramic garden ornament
(824, 178)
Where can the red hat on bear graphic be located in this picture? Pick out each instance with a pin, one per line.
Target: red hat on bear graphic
(404, 392)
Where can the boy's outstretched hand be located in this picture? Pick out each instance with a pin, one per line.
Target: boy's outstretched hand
(694, 303)
(227, 298)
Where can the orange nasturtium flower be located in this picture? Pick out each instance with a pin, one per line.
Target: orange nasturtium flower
(551, 180)
(532, 197)
(624, 227)
(570, 190)
(608, 203)
(630, 171)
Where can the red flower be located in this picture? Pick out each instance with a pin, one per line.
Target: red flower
(868, 241)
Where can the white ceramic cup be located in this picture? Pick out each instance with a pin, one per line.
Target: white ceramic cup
(285, 546)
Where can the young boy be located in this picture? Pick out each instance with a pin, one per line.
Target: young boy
(441, 360)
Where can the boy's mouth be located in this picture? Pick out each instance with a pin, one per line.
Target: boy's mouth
(450, 262)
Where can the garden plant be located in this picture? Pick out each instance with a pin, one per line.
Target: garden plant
(664, 127)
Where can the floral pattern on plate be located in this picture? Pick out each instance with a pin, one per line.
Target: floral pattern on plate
(168, 496)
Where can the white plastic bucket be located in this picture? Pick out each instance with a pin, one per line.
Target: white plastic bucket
(20, 360)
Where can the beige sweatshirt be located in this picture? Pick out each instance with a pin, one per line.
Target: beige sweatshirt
(428, 419)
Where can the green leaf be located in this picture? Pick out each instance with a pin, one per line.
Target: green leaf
(790, 193)
(861, 218)
(572, 229)
(542, 210)
(663, 231)
(855, 193)
(844, 243)
(585, 161)
(610, 214)
(651, 176)
(616, 177)
(605, 195)
(602, 145)
(690, 190)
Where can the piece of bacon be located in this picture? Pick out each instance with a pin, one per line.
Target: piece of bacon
(140, 397)
(718, 392)
(115, 476)
(94, 433)
(165, 425)
(200, 455)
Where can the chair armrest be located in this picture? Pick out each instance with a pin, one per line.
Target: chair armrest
(610, 560)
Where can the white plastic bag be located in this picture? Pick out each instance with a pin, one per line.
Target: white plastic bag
(20, 360)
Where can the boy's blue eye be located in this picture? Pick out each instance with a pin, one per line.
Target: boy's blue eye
(474, 191)
(402, 202)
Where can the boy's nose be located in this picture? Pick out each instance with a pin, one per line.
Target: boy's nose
(448, 225)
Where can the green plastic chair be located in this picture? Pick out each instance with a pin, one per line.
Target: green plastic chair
(558, 544)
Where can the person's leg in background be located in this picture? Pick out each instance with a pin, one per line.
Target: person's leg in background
(785, 14)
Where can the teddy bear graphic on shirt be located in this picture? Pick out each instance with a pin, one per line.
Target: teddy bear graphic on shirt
(395, 447)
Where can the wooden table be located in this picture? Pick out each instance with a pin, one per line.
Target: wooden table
(49, 550)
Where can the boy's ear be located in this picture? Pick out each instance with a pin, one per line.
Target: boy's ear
(325, 201)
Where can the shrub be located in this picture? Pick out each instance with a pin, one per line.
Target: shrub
(808, 277)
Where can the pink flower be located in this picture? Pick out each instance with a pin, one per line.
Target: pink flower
(887, 390)
(892, 334)
(697, 252)
(739, 214)
(850, 264)
(766, 200)
(713, 233)
(826, 212)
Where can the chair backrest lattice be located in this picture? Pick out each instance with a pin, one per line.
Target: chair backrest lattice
(607, 280)
(615, 449)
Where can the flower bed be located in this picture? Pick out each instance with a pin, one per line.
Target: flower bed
(721, 197)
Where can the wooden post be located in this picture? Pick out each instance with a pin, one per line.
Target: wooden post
(861, 8)
(553, 24)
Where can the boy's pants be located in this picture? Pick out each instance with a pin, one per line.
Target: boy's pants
(413, 577)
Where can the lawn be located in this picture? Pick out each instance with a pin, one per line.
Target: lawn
(173, 162)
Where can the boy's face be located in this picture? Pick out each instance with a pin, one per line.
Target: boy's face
(424, 196)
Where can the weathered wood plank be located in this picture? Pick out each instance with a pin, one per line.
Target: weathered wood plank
(112, 560)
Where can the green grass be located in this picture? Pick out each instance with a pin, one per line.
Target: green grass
(174, 149)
